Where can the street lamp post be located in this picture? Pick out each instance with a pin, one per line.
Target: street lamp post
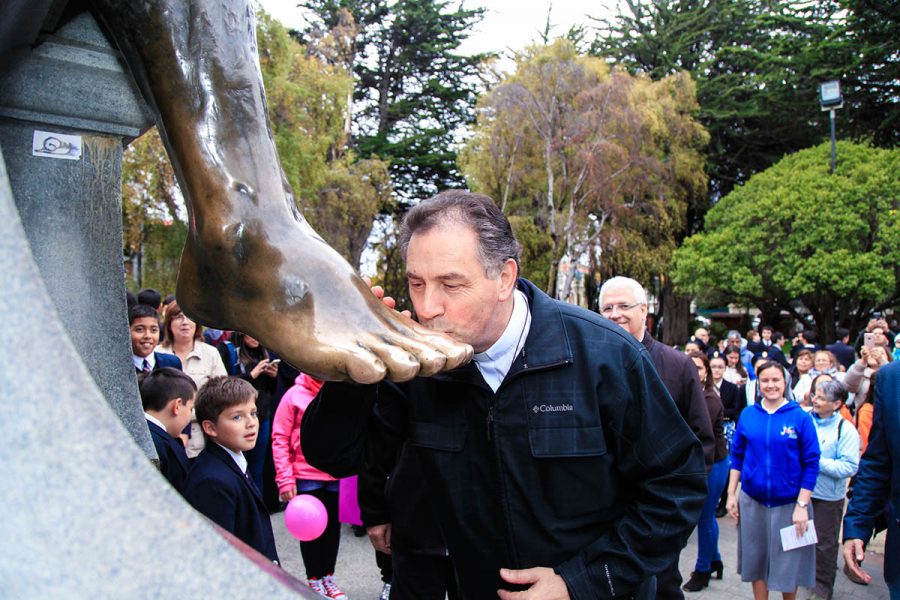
(830, 99)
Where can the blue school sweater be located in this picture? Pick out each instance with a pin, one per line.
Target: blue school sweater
(776, 454)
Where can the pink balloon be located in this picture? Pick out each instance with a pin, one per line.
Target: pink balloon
(305, 517)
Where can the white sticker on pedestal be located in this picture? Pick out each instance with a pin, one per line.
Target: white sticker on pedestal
(56, 145)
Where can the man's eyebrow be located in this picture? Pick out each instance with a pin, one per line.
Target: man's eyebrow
(452, 275)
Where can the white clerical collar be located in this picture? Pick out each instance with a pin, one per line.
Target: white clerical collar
(237, 456)
(495, 362)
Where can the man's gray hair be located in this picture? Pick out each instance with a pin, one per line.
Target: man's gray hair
(637, 290)
(496, 241)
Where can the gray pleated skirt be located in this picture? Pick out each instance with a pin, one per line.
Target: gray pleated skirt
(760, 556)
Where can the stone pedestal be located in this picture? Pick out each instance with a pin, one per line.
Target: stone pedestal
(72, 83)
(85, 514)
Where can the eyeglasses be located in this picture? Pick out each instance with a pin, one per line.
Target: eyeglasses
(611, 308)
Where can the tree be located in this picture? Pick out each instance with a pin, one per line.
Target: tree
(755, 66)
(150, 199)
(308, 90)
(825, 247)
(604, 162)
(414, 93)
(758, 64)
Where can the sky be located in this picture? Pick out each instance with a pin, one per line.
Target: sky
(507, 24)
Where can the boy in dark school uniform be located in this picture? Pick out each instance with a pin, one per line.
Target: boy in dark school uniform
(167, 396)
(218, 485)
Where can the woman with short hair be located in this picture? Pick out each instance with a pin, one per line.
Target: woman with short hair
(838, 462)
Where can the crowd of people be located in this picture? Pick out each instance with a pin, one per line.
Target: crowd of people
(224, 417)
(571, 459)
(796, 423)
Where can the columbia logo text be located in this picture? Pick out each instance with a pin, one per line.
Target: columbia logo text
(545, 408)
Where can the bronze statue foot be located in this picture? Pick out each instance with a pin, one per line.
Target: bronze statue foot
(286, 286)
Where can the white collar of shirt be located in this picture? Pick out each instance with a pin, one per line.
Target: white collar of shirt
(154, 420)
(774, 410)
(237, 456)
(495, 362)
(139, 361)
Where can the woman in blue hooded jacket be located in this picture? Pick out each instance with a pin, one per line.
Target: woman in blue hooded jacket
(775, 458)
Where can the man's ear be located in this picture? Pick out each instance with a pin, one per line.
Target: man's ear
(508, 276)
(209, 428)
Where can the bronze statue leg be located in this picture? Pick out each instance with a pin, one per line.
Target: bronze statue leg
(251, 262)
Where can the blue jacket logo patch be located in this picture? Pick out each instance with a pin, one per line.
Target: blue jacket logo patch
(789, 432)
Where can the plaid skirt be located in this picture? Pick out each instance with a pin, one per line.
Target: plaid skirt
(760, 556)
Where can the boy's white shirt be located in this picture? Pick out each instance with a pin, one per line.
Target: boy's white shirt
(139, 361)
(237, 456)
(154, 420)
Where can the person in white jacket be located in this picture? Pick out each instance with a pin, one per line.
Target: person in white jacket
(838, 462)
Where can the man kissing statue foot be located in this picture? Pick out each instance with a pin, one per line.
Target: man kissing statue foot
(251, 262)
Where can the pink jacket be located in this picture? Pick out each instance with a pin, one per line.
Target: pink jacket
(290, 464)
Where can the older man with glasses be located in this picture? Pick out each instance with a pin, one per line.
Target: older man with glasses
(624, 302)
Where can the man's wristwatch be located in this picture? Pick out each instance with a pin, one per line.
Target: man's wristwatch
(802, 504)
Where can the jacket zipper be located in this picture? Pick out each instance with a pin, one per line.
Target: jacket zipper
(768, 458)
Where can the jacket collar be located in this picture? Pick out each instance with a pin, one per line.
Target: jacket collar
(174, 443)
(219, 453)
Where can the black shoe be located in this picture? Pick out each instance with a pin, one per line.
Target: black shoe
(697, 582)
(721, 511)
(717, 567)
(360, 531)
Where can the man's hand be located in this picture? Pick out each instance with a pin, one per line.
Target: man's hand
(544, 584)
(378, 291)
(380, 536)
(854, 553)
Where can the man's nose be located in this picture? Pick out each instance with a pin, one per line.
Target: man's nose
(431, 304)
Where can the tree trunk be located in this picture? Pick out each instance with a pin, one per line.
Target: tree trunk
(771, 315)
(676, 325)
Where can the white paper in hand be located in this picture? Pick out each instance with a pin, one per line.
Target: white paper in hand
(790, 539)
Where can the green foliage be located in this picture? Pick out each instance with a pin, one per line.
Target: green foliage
(307, 101)
(795, 233)
(162, 254)
(347, 202)
(150, 213)
(537, 249)
(758, 65)
(414, 93)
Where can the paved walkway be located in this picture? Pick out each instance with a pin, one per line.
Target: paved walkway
(358, 575)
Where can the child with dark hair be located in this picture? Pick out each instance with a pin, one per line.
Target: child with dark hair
(143, 326)
(167, 396)
(218, 484)
(150, 297)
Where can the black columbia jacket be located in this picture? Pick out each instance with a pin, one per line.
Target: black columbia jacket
(580, 461)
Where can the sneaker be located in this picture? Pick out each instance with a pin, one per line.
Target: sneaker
(331, 589)
(385, 592)
(316, 585)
